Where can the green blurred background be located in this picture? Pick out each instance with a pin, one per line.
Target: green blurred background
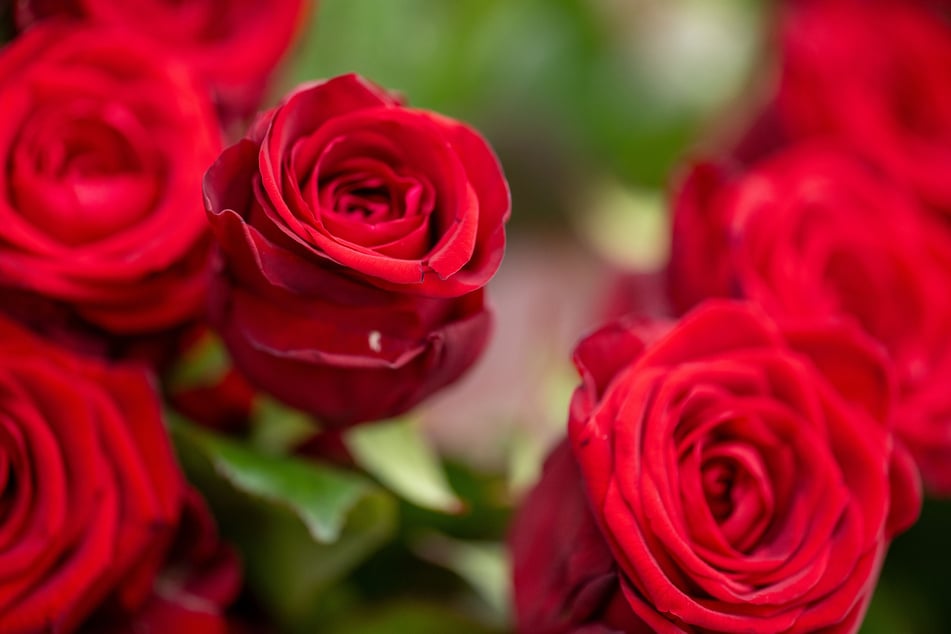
(561, 88)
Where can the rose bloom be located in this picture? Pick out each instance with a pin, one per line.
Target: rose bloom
(743, 476)
(200, 578)
(873, 75)
(233, 45)
(355, 236)
(104, 142)
(813, 232)
(91, 496)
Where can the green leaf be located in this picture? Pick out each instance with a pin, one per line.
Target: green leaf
(291, 574)
(277, 428)
(397, 454)
(320, 497)
(483, 565)
(415, 617)
(300, 525)
(890, 611)
(202, 364)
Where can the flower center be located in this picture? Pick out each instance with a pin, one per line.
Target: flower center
(80, 175)
(737, 489)
(718, 477)
(371, 200)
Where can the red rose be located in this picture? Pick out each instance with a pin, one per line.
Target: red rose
(104, 143)
(233, 46)
(564, 579)
(743, 474)
(355, 235)
(874, 75)
(91, 492)
(811, 233)
(200, 578)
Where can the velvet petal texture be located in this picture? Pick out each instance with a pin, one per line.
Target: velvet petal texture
(104, 141)
(813, 231)
(199, 579)
(354, 237)
(564, 576)
(91, 493)
(873, 76)
(404, 199)
(743, 473)
(233, 46)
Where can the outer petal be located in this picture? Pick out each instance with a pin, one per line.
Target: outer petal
(564, 574)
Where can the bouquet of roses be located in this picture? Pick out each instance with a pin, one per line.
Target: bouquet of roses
(224, 317)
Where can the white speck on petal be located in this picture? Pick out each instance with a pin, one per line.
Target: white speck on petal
(374, 341)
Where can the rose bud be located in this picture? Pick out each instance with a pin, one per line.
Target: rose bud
(91, 493)
(811, 233)
(233, 47)
(355, 236)
(104, 142)
(874, 76)
(742, 473)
